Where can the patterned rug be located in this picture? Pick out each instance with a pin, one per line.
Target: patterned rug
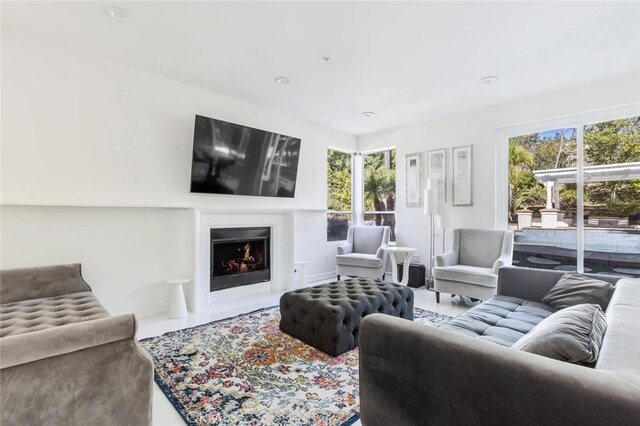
(245, 371)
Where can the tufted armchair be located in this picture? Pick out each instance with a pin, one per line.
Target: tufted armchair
(363, 254)
(470, 268)
(63, 358)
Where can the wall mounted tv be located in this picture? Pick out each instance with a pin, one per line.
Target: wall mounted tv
(232, 159)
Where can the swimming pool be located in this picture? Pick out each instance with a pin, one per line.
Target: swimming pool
(604, 240)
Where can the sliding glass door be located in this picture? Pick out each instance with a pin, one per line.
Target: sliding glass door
(611, 196)
(573, 197)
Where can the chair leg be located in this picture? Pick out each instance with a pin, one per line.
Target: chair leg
(437, 297)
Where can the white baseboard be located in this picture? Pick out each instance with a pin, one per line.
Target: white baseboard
(321, 277)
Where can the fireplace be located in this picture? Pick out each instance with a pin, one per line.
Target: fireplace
(239, 256)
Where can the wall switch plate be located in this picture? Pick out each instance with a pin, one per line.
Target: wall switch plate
(415, 259)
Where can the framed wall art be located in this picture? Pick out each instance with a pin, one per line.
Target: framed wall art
(462, 176)
(437, 171)
(413, 179)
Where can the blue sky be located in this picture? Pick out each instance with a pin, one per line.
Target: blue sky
(552, 133)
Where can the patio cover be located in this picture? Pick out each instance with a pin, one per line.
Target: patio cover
(609, 172)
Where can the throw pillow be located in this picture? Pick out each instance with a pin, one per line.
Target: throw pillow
(573, 334)
(573, 289)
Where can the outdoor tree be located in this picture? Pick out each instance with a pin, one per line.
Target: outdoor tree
(614, 142)
(339, 180)
(610, 142)
(380, 187)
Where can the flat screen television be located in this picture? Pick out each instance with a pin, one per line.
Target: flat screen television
(229, 158)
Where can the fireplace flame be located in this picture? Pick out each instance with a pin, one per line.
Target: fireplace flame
(244, 261)
(247, 252)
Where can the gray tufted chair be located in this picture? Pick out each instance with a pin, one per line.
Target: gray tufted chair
(363, 254)
(470, 268)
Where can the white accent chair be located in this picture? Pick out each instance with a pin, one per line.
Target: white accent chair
(363, 255)
(471, 267)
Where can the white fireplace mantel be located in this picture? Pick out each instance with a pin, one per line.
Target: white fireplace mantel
(281, 224)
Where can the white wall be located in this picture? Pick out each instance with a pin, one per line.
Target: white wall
(81, 131)
(126, 253)
(479, 128)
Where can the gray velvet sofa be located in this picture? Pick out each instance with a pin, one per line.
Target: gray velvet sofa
(63, 359)
(414, 374)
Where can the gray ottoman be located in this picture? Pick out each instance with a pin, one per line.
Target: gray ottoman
(328, 316)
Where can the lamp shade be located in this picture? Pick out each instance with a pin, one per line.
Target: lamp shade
(443, 216)
(431, 201)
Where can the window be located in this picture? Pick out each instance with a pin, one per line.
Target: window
(611, 195)
(379, 189)
(574, 197)
(339, 194)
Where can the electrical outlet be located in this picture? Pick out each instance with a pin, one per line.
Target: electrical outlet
(415, 259)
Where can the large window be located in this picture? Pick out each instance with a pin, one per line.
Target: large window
(339, 194)
(379, 189)
(361, 189)
(574, 197)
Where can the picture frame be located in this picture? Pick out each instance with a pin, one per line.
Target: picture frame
(463, 175)
(413, 179)
(437, 171)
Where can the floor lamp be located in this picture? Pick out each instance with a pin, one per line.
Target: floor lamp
(431, 210)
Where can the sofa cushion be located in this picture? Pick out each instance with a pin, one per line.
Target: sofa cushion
(467, 274)
(359, 259)
(39, 314)
(501, 319)
(575, 289)
(620, 350)
(573, 334)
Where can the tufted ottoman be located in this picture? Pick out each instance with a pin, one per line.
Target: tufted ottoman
(328, 316)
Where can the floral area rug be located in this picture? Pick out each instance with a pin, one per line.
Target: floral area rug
(245, 371)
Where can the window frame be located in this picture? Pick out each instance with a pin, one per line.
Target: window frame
(577, 121)
(352, 212)
(362, 212)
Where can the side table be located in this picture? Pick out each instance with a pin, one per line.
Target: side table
(178, 304)
(403, 254)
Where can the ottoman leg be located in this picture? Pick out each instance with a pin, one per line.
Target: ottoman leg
(338, 277)
(437, 297)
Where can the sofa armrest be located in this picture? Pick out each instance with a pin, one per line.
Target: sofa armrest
(504, 260)
(88, 373)
(30, 347)
(345, 248)
(415, 374)
(449, 258)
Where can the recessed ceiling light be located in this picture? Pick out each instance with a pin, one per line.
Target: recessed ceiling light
(282, 80)
(488, 79)
(117, 13)
(368, 113)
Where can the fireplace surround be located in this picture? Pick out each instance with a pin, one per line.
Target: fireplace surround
(239, 256)
(280, 222)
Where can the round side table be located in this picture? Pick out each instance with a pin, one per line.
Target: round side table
(178, 305)
(403, 254)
